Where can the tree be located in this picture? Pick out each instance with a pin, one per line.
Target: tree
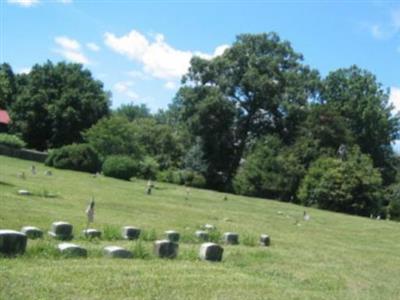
(57, 102)
(352, 185)
(8, 87)
(132, 111)
(360, 99)
(261, 84)
(114, 136)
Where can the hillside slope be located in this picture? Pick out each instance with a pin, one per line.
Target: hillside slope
(332, 256)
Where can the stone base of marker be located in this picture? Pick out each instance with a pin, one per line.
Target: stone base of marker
(165, 249)
(172, 236)
(32, 232)
(117, 252)
(265, 240)
(12, 242)
(72, 250)
(202, 235)
(91, 233)
(231, 238)
(130, 233)
(61, 230)
(211, 252)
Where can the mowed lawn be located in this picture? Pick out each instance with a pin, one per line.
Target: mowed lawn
(332, 256)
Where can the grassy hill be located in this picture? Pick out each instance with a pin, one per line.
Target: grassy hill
(332, 256)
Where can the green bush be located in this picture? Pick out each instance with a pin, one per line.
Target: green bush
(11, 141)
(121, 167)
(79, 157)
(351, 185)
(190, 178)
(148, 168)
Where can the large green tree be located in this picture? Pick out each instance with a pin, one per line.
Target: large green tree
(357, 96)
(8, 87)
(261, 87)
(55, 103)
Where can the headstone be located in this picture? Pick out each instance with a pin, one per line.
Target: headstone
(172, 235)
(202, 235)
(265, 240)
(61, 230)
(32, 232)
(231, 238)
(117, 252)
(130, 233)
(209, 227)
(12, 242)
(48, 173)
(21, 175)
(33, 169)
(92, 233)
(165, 249)
(72, 250)
(23, 192)
(211, 252)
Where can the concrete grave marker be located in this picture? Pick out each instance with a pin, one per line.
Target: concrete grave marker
(92, 233)
(265, 240)
(32, 232)
(72, 250)
(23, 192)
(130, 232)
(12, 242)
(117, 252)
(165, 249)
(211, 252)
(231, 238)
(202, 235)
(172, 235)
(61, 230)
(209, 227)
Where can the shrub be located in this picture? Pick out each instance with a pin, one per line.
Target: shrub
(190, 178)
(393, 197)
(350, 185)
(79, 157)
(11, 141)
(148, 168)
(120, 166)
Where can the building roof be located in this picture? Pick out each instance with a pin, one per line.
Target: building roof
(4, 117)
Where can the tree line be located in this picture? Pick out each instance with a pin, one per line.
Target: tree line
(255, 120)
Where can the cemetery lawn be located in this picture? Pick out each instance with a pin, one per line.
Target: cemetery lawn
(332, 256)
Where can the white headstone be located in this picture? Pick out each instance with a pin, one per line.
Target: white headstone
(23, 192)
(92, 233)
(130, 232)
(202, 235)
(117, 252)
(12, 242)
(32, 232)
(231, 238)
(165, 249)
(172, 235)
(265, 240)
(61, 230)
(72, 250)
(211, 252)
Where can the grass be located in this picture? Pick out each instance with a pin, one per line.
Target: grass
(332, 256)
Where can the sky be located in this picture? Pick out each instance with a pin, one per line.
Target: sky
(141, 49)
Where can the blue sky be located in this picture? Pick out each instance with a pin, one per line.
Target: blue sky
(140, 49)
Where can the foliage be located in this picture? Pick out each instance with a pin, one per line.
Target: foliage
(133, 112)
(269, 171)
(393, 208)
(79, 157)
(120, 166)
(55, 103)
(351, 185)
(8, 88)
(360, 99)
(148, 168)
(182, 177)
(114, 136)
(12, 141)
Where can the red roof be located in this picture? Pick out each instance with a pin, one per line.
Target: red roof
(4, 117)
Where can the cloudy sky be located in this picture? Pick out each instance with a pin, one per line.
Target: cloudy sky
(140, 49)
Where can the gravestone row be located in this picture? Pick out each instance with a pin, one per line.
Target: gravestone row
(14, 242)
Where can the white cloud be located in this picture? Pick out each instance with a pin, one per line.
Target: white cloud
(24, 3)
(71, 50)
(386, 29)
(170, 85)
(157, 57)
(124, 88)
(395, 97)
(93, 47)
(65, 1)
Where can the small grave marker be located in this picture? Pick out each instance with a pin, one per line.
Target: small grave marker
(12, 242)
(23, 192)
(61, 230)
(72, 250)
(202, 235)
(211, 252)
(92, 233)
(117, 252)
(265, 240)
(172, 235)
(231, 238)
(32, 232)
(165, 249)
(130, 232)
